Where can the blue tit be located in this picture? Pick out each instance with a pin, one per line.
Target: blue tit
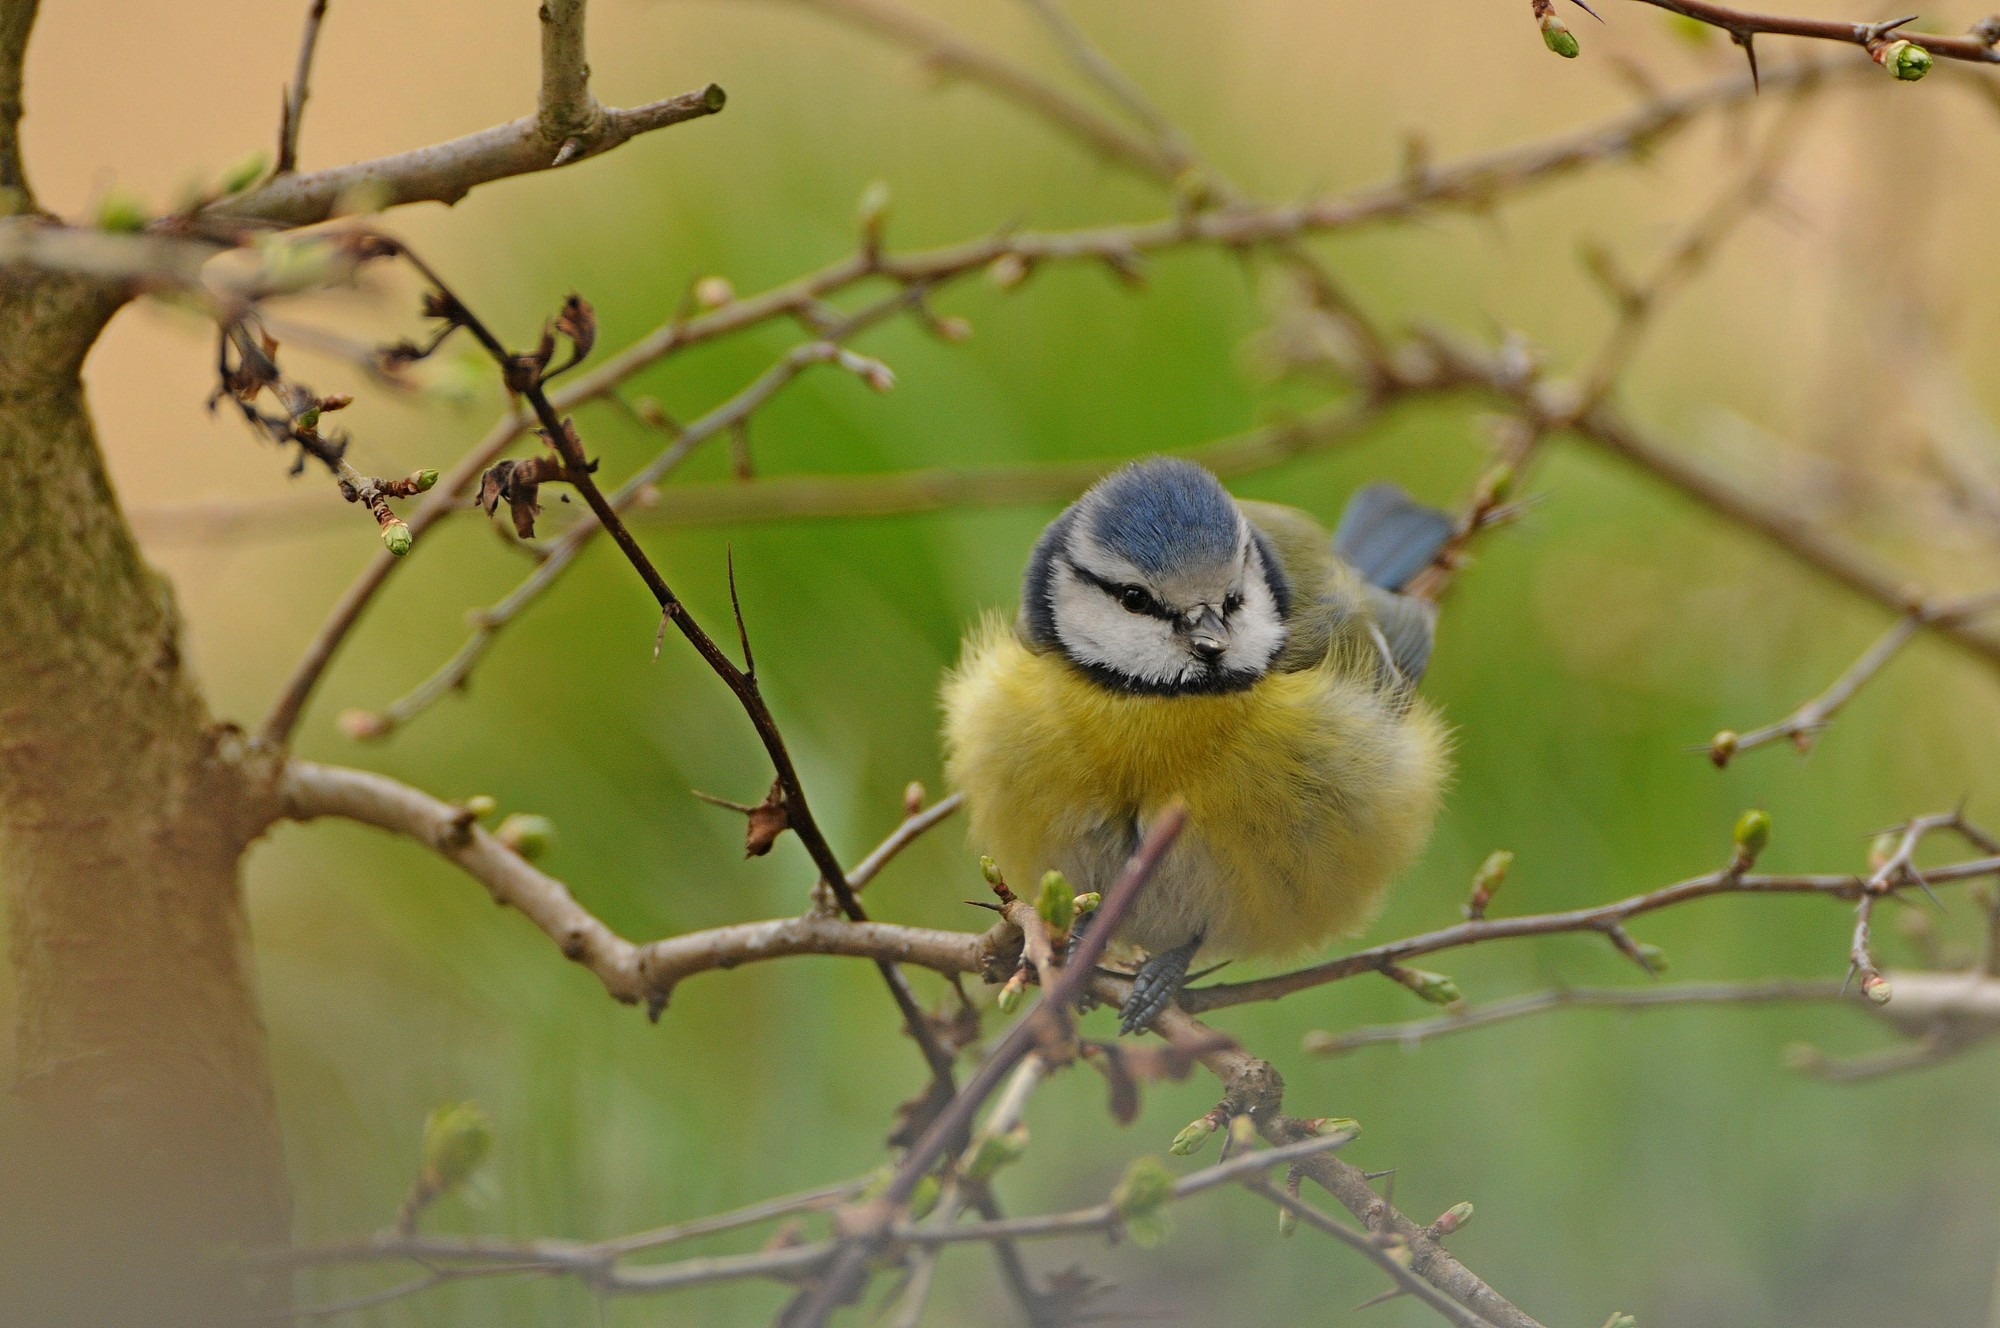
(1173, 642)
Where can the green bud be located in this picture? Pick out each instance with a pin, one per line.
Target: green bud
(1141, 1198)
(1753, 833)
(396, 538)
(424, 481)
(1288, 1223)
(994, 1151)
(121, 211)
(1494, 870)
(1087, 902)
(873, 211)
(991, 871)
(1620, 1319)
(1453, 1218)
(244, 173)
(1433, 987)
(1558, 38)
(1323, 1126)
(924, 1197)
(527, 834)
(481, 805)
(1876, 988)
(1906, 60)
(1655, 957)
(1883, 849)
(1057, 902)
(309, 418)
(1191, 1138)
(457, 1138)
(1012, 993)
(1722, 747)
(878, 1183)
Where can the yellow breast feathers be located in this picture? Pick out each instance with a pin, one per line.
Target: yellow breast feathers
(1306, 791)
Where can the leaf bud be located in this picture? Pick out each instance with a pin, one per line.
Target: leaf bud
(1906, 60)
(1193, 1136)
(529, 835)
(396, 538)
(1557, 37)
(457, 1138)
(1057, 902)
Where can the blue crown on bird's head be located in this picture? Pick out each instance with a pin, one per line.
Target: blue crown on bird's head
(1164, 515)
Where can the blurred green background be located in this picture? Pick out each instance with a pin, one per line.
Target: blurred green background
(1664, 1164)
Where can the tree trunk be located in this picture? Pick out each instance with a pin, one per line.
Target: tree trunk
(147, 1134)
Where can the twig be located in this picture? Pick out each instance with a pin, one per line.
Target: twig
(295, 96)
(1473, 182)
(1412, 1032)
(1804, 724)
(1744, 27)
(564, 111)
(1406, 1281)
(946, 1131)
(1599, 920)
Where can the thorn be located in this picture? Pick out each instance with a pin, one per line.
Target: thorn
(740, 808)
(1747, 40)
(568, 152)
(1588, 10)
(736, 607)
(1385, 1297)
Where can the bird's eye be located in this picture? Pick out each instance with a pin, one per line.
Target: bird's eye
(1135, 599)
(1232, 602)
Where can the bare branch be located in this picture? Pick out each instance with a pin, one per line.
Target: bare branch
(565, 109)
(295, 96)
(1743, 26)
(1410, 1033)
(447, 172)
(1804, 724)
(631, 973)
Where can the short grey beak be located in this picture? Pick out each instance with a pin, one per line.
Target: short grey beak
(1208, 635)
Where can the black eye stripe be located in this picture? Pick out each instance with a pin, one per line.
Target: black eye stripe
(1151, 607)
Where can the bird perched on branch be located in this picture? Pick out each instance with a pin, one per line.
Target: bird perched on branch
(1173, 642)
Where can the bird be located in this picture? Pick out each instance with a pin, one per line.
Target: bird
(1175, 643)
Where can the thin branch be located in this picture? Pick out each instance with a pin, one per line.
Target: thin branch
(1412, 1032)
(631, 973)
(950, 55)
(947, 1130)
(295, 95)
(914, 825)
(1377, 1251)
(447, 172)
(1804, 724)
(1743, 26)
(565, 109)
(1473, 182)
(1255, 1089)
(1599, 919)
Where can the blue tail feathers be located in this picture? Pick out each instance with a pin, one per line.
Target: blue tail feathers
(1389, 536)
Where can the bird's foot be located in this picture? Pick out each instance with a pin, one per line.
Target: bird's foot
(1155, 985)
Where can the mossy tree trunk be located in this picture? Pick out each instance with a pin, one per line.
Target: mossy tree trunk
(145, 1136)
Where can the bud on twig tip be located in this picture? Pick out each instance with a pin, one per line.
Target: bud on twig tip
(396, 538)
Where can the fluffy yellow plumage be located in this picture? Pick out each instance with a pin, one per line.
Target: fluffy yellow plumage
(1176, 644)
(1306, 793)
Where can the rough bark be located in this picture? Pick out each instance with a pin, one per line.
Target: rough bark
(147, 1137)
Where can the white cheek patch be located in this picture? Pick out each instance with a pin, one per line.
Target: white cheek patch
(1256, 631)
(1095, 629)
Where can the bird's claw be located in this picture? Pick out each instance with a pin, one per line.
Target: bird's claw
(1155, 985)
